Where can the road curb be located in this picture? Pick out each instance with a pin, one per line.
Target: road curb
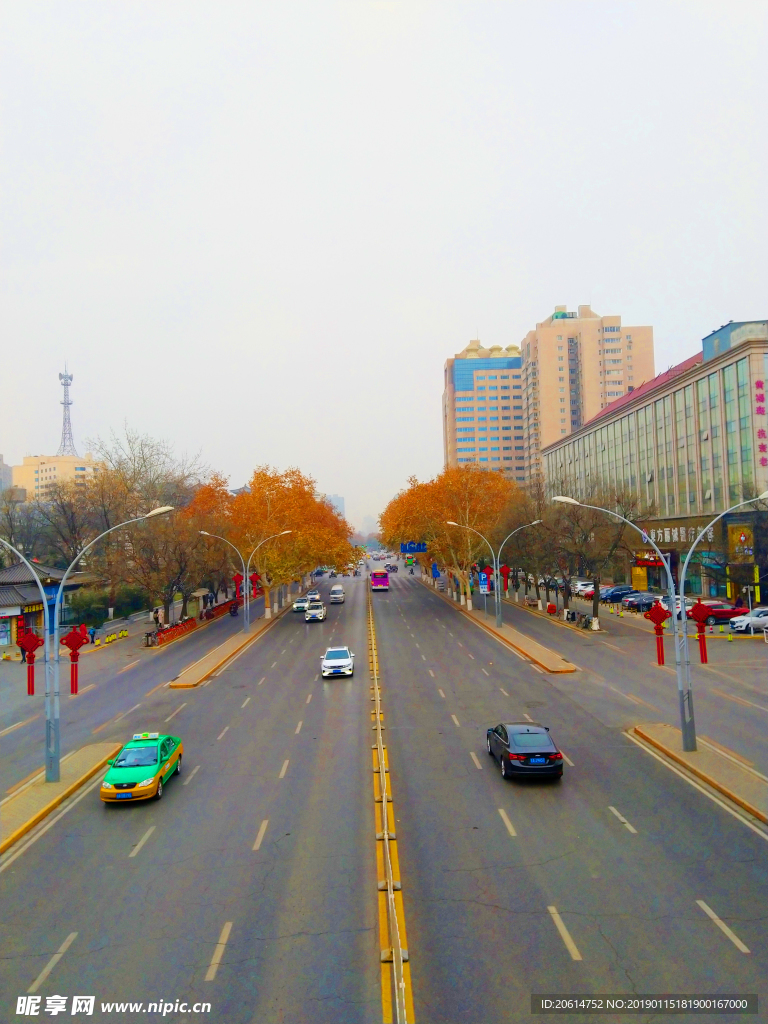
(174, 685)
(38, 816)
(710, 781)
(505, 640)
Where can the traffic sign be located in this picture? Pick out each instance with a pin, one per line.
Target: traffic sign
(483, 583)
(413, 548)
(435, 571)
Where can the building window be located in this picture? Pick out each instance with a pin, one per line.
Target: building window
(465, 419)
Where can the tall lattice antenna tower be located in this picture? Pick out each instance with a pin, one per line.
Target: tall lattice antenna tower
(67, 446)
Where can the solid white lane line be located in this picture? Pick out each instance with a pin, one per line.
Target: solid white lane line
(528, 717)
(244, 703)
(507, 822)
(178, 709)
(690, 781)
(441, 693)
(261, 680)
(52, 962)
(567, 759)
(223, 731)
(487, 673)
(432, 673)
(135, 706)
(456, 721)
(723, 927)
(273, 664)
(218, 952)
(473, 755)
(260, 833)
(503, 691)
(297, 730)
(191, 775)
(519, 655)
(570, 945)
(309, 698)
(537, 669)
(622, 819)
(284, 769)
(143, 840)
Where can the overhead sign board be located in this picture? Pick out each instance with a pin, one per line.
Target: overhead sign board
(413, 548)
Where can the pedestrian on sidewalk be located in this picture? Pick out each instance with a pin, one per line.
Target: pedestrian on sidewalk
(23, 656)
(92, 634)
(739, 603)
(156, 617)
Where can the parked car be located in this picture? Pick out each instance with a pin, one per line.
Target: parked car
(640, 601)
(754, 622)
(688, 604)
(616, 593)
(580, 586)
(719, 611)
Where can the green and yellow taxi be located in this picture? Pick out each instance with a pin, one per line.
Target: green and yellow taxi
(142, 768)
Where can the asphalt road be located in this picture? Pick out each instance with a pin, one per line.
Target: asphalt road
(621, 684)
(149, 907)
(112, 681)
(169, 901)
(480, 933)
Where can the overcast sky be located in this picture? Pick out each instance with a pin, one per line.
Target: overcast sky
(259, 229)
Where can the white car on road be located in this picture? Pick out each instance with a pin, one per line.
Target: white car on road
(338, 661)
(337, 594)
(316, 611)
(758, 620)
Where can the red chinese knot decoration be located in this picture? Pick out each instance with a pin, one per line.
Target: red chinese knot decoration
(238, 581)
(701, 613)
(30, 643)
(658, 615)
(73, 641)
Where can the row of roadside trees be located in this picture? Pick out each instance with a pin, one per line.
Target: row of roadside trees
(161, 558)
(568, 540)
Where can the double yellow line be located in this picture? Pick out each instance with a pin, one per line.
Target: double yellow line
(396, 988)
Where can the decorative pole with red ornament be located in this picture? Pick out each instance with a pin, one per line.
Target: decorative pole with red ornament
(46, 652)
(73, 641)
(29, 643)
(700, 613)
(267, 609)
(658, 615)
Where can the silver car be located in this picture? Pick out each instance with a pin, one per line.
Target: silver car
(337, 594)
(316, 612)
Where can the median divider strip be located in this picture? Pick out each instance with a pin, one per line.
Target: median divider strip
(396, 989)
(31, 804)
(540, 655)
(216, 659)
(740, 784)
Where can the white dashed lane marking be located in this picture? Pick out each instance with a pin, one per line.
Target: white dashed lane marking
(509, 826)
(720, 924)
(623, 820)
(284, 769)
(52, 962)
(143, 840)
(503, 691)
(244, 703)
(456, 722)
(218, 952)
(473, 755)
(223, 732)
(570, 945)
(260, 834)
(191, 775)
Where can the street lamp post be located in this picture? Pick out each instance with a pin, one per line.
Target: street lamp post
(267, 611)
(496, 558)
(686, 660)
(52, 739)
(684, 692)
(246, 570)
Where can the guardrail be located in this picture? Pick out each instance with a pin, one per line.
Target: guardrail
(396, 953)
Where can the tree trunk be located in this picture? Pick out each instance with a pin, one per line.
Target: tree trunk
(267, 606)
(538, 591)
(184, 606)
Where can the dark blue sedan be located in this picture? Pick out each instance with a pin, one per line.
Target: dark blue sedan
(524, 748)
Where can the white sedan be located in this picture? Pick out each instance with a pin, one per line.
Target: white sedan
(338, 661)
(758, 621)
(313, 595)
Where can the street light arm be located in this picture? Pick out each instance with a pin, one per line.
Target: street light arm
(40, 587)
(523, 527)
(462, 527)
(733, 508)
(281, 534)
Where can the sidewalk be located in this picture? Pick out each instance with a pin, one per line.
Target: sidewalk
(531, 649)
(724, 772)
(34, 800)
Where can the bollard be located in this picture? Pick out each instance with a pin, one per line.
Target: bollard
(721, 627)
(730, 637)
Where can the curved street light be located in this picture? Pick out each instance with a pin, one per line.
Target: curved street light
(246, 570)
(496, 558)
(52, 739)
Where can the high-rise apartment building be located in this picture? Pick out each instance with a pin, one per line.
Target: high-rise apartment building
(337, 501)
(574, 364)
(483, 409)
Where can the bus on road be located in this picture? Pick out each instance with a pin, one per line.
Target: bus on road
(379, 580)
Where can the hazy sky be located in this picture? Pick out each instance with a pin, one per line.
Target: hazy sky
(259, 229)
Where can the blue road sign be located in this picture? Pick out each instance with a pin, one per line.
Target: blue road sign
(435, 571)
(483, 582)
(413, 548)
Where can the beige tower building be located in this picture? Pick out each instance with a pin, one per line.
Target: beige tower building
(574, 364)
(38, 473)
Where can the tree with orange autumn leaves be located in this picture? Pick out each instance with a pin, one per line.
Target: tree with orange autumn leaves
(273, 502)
(468, 496)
